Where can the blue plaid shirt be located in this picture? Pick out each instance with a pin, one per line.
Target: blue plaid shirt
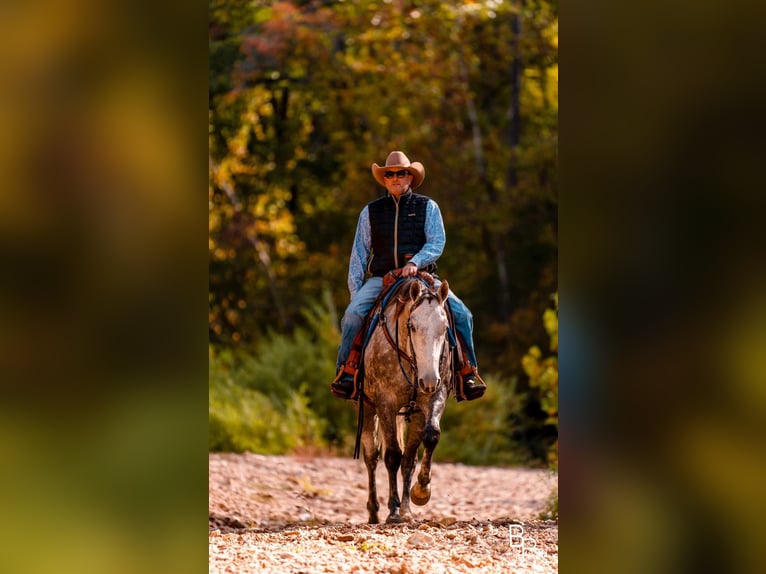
(360, 251)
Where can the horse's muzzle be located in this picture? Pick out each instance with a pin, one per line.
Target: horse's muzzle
(429, 385)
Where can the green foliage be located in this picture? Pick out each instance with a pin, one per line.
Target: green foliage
(287, 381)
(551, 511)
(477, 432)
(303, 360)
(543, 376)
(244, 419)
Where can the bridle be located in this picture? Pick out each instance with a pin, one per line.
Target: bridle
(411, 358)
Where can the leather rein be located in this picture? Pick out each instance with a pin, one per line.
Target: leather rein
(411, 359)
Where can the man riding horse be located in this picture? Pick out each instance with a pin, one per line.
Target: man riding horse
(399, 231)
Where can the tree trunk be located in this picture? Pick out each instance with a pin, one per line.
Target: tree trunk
(496, 243)
(514, 130)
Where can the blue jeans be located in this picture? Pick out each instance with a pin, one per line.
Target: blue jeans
(357, 310)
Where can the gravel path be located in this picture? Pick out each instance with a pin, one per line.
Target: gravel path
(289, 514)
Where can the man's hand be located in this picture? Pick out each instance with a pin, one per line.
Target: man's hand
(409, 270)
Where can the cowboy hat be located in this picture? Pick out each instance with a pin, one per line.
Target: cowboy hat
(396, 160)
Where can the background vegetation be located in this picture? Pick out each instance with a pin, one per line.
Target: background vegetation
(303, 97)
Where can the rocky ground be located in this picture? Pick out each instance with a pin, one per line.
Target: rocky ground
(288, 514)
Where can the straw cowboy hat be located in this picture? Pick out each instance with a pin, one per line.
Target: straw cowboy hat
(395, 161)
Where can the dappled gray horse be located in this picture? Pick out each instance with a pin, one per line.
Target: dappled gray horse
(407, 375)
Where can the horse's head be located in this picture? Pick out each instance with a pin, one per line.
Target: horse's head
(427, 332)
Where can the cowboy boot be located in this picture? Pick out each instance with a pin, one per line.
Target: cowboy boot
(344, 384)
(473, 386)
(469, 389)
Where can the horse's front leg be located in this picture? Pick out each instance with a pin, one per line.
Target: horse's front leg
(392, 457)
(421, 492)
(371, 456)
(409, 459)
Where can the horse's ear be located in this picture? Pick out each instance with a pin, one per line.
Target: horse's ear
(414, 290)
(443, 291)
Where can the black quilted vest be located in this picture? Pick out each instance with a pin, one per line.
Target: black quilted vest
(397, 233)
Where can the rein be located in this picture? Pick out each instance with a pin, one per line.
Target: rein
(402, 354)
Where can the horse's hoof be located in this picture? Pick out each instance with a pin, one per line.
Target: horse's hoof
(394, 519)
(420, 496)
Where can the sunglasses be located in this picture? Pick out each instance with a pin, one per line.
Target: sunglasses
(400, 173)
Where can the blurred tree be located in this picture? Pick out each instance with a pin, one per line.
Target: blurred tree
(543, 373)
